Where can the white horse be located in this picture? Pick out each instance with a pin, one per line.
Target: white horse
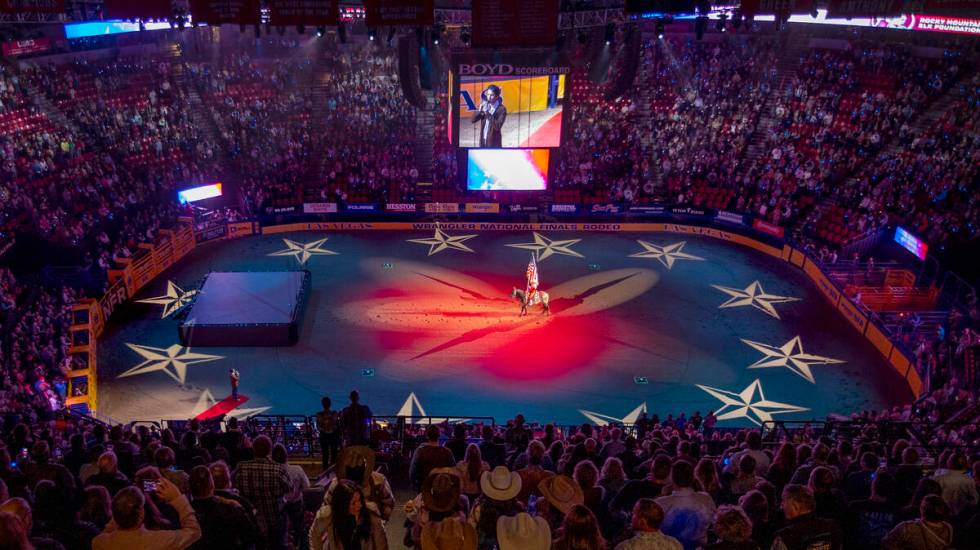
(540, 297)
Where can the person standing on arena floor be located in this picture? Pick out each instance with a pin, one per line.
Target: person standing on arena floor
(327, 423)
(233, 378)
(355, 421)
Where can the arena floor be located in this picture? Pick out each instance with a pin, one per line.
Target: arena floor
(634, 324)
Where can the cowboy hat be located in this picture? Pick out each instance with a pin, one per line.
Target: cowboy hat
(522, 532)
(562, 492)
(449, 534)
(353, 457)
(440, 492)
(500, 484)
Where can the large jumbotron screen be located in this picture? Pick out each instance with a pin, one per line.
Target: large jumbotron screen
(507, 169)
(517, 104)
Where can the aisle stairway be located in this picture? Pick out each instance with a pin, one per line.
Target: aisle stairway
(425, 139)
(787, 63)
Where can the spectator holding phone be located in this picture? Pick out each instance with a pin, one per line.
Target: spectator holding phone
(126, 529)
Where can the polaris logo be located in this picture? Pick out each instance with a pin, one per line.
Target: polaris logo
(485, 69)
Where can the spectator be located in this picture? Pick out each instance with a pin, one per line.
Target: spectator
(20, 509)
(355, 421)
(265, 484)
(523, 532)
(579, 531)
(500, 488)
(224, 523)
(871, 519)
(13, 532)
(560, 494)
(803, 528)
(166, 461)
(687, 513)
(127, 530)
(647, 517)
(930, 531)
(733, 530)
(109, 476)
(428, 456)
(959, 489)
(96, 507)
(346, 524)
(299, 483)
(471, 470)
(328, 426)
(356, 464)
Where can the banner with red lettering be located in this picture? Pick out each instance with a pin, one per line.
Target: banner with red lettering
(32, 6)
(315, 13)
(864, 8)
(517, 23)
(768, 228)
(217, 12)
(379, 13)
(144, 9)
(23, 47)
(756, 7)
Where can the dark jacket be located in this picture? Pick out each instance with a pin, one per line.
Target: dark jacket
(808, 532)
(225, 525)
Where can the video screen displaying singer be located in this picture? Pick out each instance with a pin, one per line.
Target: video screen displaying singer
(511, 112)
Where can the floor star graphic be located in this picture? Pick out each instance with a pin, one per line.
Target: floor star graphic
(604, 419)
(173, 361)
(743, 404)
(791, 356)
(666, 255)
(174, 299)
(303, 251)
(753, 295)
(206, 400)
(543, 247)
(441, 241)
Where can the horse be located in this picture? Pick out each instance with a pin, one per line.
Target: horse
(540, 297)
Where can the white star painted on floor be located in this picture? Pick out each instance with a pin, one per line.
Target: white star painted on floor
(303, 251)
(743, 406)
(604, 419)
(441, 241)
(413, 407)
(173, 361)
(791, 356)
(666, 255)
(753, 295)
(206, 400)
(174, 299)
(543, 247)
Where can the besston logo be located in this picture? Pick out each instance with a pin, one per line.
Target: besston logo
(485, 69)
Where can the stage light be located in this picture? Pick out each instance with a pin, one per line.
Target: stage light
(436, 34)
(660, 28)
(320, 31)
(372, 34)
(720, 25)
(610, 33)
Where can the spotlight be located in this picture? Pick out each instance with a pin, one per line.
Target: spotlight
(372, 34)
(610, 33)
(660, 27)
(720, 25)
(320, 32)
(436, 34)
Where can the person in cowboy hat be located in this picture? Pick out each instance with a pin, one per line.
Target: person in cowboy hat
(500, 489)
(438, 500)
(523, 532)
(560, 493)
(449, 534)
(356, 464)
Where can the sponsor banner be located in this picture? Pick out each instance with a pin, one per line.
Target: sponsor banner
(240, 229)
(730, 217)
(768, 228)
(441, 207)
(523, 208)
(378, 13)
(24, 47)
(143, 9)
(319, 207)
(653, 209)
(282, 209)
(217, 12)
(853, 314)
(482, 208)
(514, 23)
(32, 6)
(824, 284)
(755, 7)
(361, 207)
(606, 209)
(212, 232)
(116, 295)
(400, 207)
(864, 8)
(303, 12)
(688, 211)
(715, 234)
(941, 23)
(564, 209)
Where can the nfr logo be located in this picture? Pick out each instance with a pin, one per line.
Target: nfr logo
(485, 69)
(468, 99)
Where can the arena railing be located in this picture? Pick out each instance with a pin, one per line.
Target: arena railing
(919, 433)
(741, 229)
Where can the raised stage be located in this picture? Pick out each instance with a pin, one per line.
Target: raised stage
(246, 308)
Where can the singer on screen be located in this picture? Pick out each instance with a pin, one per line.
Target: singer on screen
(492, 114)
